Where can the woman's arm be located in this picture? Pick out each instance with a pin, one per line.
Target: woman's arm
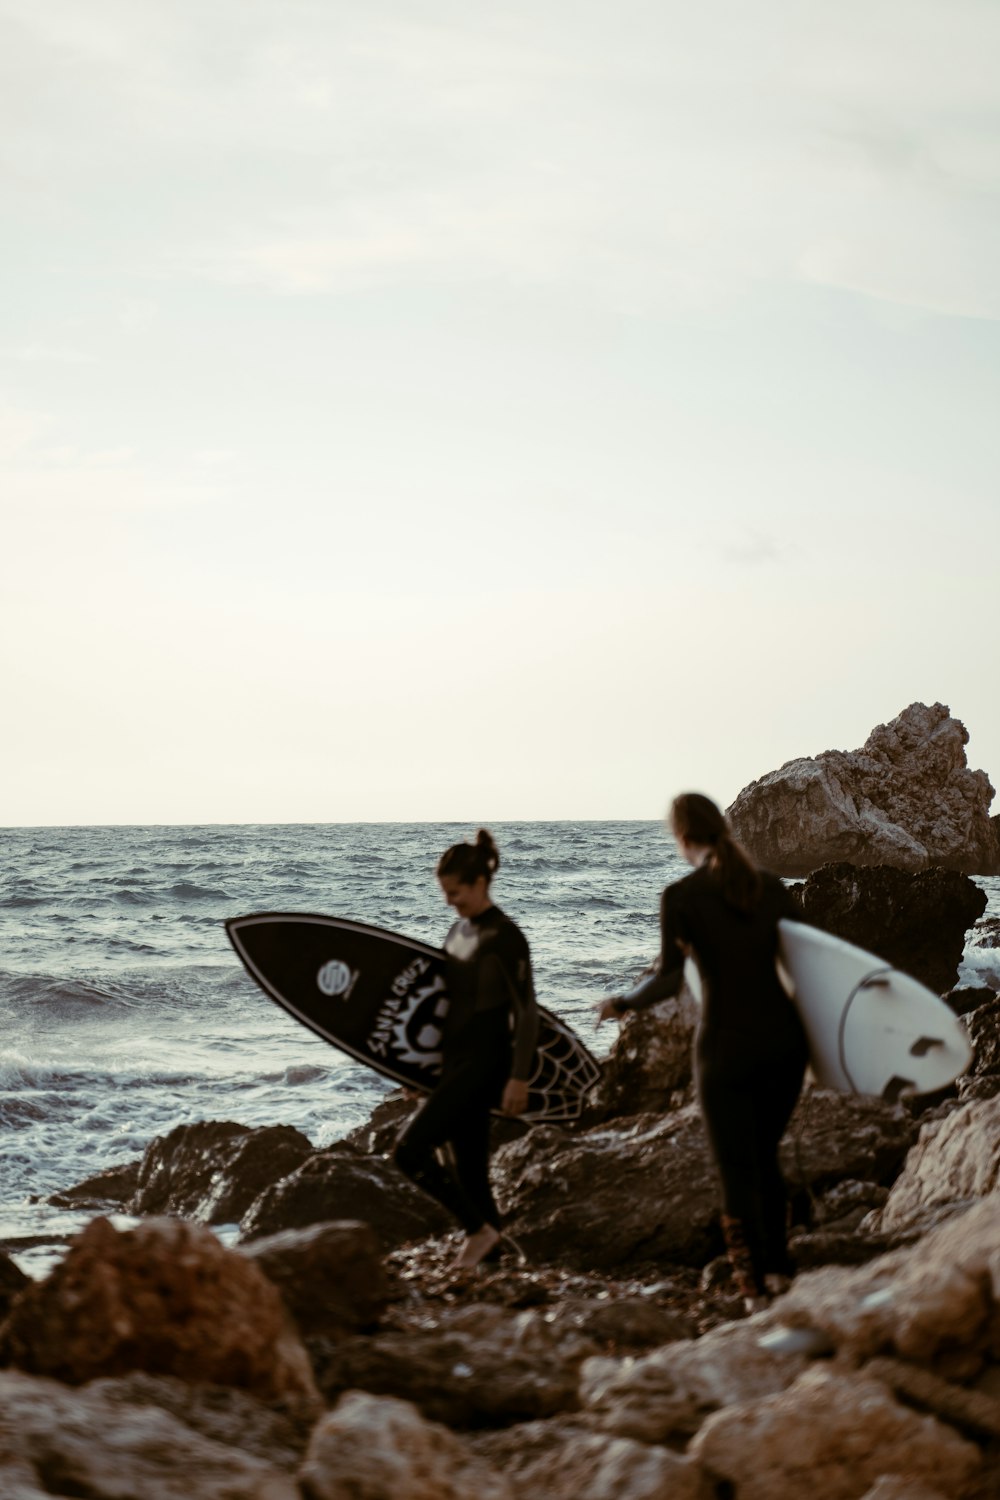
(668, 975)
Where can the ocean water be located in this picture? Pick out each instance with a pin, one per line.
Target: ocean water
(124, 1012)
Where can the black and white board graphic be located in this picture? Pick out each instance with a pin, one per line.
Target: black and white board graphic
(382, 998)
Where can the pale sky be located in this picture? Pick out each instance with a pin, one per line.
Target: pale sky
(429, 410)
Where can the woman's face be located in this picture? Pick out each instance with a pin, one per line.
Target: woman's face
(467, 900)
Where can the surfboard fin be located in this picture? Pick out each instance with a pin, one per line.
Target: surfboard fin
(923, 1045)
(896, 1087)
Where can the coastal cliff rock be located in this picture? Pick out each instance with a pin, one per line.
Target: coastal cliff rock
(906, 798)
(330, 1276)
(212, 1171)
(956, 1160)
(650, 1060)
(165, 1297)
(917, 922)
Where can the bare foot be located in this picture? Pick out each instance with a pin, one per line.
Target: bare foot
(477, 1246)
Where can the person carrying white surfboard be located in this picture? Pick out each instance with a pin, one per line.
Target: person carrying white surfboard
(751, 1050)
(488, 1049)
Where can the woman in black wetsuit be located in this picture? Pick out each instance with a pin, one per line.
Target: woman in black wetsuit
(488, 1049)
(751, 1051)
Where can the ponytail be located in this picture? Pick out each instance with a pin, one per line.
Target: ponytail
(466, 862)
(698, 820)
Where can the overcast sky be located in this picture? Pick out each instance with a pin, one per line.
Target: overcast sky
(431, 410)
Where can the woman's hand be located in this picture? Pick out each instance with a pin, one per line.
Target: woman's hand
(612, 1008)
(515, 1097)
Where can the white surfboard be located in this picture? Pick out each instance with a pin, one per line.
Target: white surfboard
(871, 1028)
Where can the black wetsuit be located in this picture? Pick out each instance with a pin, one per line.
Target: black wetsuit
(489, 1036)
(750, 1051)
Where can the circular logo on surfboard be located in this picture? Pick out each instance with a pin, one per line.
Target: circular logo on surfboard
(335, 978)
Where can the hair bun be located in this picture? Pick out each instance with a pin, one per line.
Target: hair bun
(487, 844)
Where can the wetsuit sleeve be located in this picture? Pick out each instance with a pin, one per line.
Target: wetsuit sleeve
(668, 976)
(497, 986)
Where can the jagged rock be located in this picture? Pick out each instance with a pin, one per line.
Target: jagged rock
(973, 1412)
(331, 1276)
(906, 798)
(560, 1460)
(935, 1303)
(955, 1161)
(165, 1297)
(58, 1441)
(983, 1026)
(666, 1395)
(898, 1487)
(650, 1060)
(12, 1281)
(213, 1171)
(343, 1183)
(968, 998)
(917, 923)
(109, 1189)
(832, 1435)
(645, 1188)
(480, 1365)
(378, 1448)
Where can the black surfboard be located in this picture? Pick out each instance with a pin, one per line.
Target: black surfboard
(382, 998)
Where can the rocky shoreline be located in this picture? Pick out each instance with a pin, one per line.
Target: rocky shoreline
(332, 1353)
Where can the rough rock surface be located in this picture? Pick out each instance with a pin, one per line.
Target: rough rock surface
(955, 1161)
(109, 1189)
(59, 1441)
(650, 1060)
(165, 1297)
(561, 1460)
(12, 1281)
(378, 1448)
(344, 1183)
(478, 1366)
(331, 1276)
(915, 922)
(906, 798)
(666, 1395)
(645, 1188)
(983, 1026)
(832, 1435)
(213, 1171)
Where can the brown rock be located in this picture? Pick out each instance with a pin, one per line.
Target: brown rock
(830, 1435)
(331, 1276)
(12, 1281)
(650, 1060)
(165, 1297)
(907, 798)
(212, 1171)
(57, 1441)
(377, 1448)
(343, 1183)
(480, 1364)
(561, 1460)
(955, 1161)
(898, 1487)
(916, 923)
(983, 1026)
(111, 1188)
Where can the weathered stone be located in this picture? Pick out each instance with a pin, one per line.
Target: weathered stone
(645, 1188)
(934, 1303)
(109, 1189)
(967, 998)
(12, 1281)
(561, 1460)
(983, 1026)
(165, 1297)
(58, 1441)
(651, 1059)
(331, 1276)
(212, 1171)
(378, 1448)
(907, 798)
(342, 1183)
(898, 1487)
(832, 1435)
(955, 1161)
(973, 1412)
(667, 1394)
(916, 923)
(481, 1364)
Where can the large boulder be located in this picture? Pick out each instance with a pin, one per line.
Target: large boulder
(378, 1448)
(331, 1276)
(344, 1183)
(12, 1281)
(906, 798)
(917, 923)
(955, 1162)
(165, 1297)
(564, 1460)
(645, 1189)
(58, 1441)
(212, 1171)
(650, 1062)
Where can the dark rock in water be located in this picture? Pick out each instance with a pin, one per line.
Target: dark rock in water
(650, 1061)
(645, 1189)
(983, 1026)
(331, 1276)
(165, 1297)
(112, 1188)
(213, 1171)
(907, 798)
(342, 1183)
(917, 923)
(969, 998)
(12, 1281)
(987, 933)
